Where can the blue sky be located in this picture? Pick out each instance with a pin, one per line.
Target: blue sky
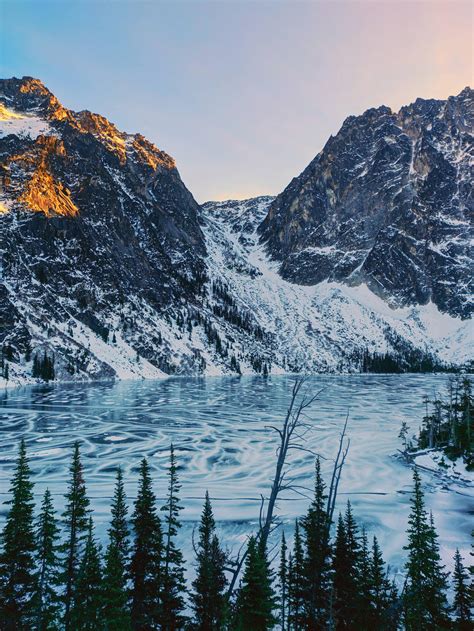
(242, 93)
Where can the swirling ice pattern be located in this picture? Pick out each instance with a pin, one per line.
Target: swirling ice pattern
(219, 429)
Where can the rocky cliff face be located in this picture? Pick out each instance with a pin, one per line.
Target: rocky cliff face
(92, 218)
(110, 269)
(387, 202)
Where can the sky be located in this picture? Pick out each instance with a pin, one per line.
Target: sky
(243, 94)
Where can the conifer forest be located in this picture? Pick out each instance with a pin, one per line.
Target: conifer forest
(326, 572)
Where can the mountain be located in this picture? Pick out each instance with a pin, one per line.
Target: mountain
(110, 269)
(93, 219)
(388, 202)
(329, 326)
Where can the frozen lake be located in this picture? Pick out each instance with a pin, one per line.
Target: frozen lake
(218, 427)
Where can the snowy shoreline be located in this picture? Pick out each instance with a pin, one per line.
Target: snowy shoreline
(23, 382)
(436, 462)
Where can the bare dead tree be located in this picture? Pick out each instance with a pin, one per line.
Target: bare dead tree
(342, 451)
(292, 436)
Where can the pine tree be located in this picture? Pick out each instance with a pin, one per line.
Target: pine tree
(208, 597)
(255, 599)
(86, 612)
(76, 527)
(116, 609)
(36, 370)
(283, 581)
(425, 605)
(297, 588)
(462, 601)
(466, 429)
(173, 587)
(317, 556)
(383, 594)
(439, 608)
(147, 549)
(346, 564)
(403, 435)
(43, 368)
(17, 562)
(364, 606)
(46, 599)
(340, 569)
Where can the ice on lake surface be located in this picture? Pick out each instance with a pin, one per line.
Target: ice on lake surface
(219, 429)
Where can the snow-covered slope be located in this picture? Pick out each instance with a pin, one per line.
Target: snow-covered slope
(325, 326)
(110, 269)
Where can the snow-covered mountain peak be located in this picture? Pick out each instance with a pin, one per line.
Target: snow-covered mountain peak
(30, 112)
(110, 268)
(386, 203)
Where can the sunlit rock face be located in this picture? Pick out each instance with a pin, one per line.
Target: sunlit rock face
(387, 202)
(91, 218)
(28, 179)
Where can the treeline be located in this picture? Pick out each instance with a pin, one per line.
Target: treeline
(43, 367)
(400, 362)
(448, 423)
(7, 354)
(229, 310)
(55, 575)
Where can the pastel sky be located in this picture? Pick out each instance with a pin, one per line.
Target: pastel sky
(242, 93)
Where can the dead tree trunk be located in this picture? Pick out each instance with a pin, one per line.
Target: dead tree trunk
(292, 436)
(341, 456)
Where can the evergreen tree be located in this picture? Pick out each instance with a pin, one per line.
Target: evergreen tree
(450, 424)
(340, 568)
(439, 608)
(76, 527)
(147, 549)
(364, 605)
(116, 610)
(383, 594)
(462, 599)
(296, 584)
(283, 580)
(86, 613)
(255, 599)
(43, 368)
(17, 562)
(208, 596)
(425, 605)
(466, 427)
(46, 599)
(377, 579)
(172, 605)
(346, 565)
(317, 556)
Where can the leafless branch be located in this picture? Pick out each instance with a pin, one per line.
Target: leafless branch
(336, 472)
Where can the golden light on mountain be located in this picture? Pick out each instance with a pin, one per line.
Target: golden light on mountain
(100, 127)
(148, 153)
(56, 110)
(7, 114)
(42, 192)
(45, 194)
